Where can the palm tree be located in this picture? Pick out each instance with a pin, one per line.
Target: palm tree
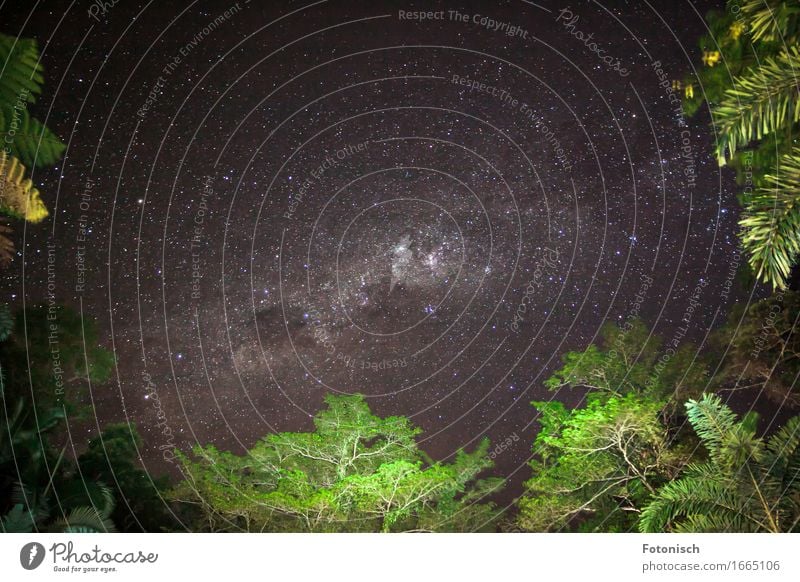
(763, 102)
(751, 79)
(748, 484)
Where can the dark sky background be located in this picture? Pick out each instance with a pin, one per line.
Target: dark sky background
(247, 284)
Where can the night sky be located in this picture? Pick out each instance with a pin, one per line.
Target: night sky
(265, 202)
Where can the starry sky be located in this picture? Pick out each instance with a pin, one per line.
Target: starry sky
(265, 202)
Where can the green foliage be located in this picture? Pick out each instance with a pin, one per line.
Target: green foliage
(84, 520)
(727, 35)
(24, 452)
(6, 322)
(760, 102)
(21, 71)
(752, 93)
(20, 83)
(356, 472)
(31, 141)
(57, 369)
(772, 20)
(593, 468)
(41, 488)
(762, 348)
(93, 518)
(747, 485)
(113, 458)
(771, 223)
(18, 520)
(629, 360)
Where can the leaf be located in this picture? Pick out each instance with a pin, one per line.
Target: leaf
(18, 520)
(83, 520)
(20, 71)
(771, 223)
(762, 101)
(28, 139)
(18, 196)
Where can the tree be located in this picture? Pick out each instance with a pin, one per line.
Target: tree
(113, 458)
(50, 368)
(355, 472)
(762, 348)
(748, 483)
(630, 359)
(40, 488)
(593, 468)
(35, 478)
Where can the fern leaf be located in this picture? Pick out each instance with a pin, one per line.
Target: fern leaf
(20, 71)
(18, 197)
(28, 139)
(83, 520)
(18, 520)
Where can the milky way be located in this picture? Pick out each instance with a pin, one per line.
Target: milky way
(288, 200)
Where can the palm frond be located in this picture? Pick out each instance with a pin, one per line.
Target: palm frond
(761, 102)
(770, 20)
(712, 421)
(771, 223)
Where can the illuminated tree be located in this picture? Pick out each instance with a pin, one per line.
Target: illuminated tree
(630, 359)
(355, 472)
(595, 467)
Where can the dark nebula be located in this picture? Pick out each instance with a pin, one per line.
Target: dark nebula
(302, 198)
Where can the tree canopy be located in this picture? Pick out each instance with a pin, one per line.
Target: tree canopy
(355, 472)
